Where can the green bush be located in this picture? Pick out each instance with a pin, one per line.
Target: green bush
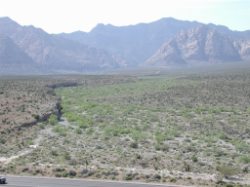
(79, 131)
(160, 137)
(53, 119)
(134, 145)
(194, 158)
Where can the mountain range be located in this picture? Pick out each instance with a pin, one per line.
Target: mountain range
(166, 42)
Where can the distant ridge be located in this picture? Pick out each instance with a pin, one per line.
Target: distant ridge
(140, 44)
(134, 43)
(52, 53)
(166, 42)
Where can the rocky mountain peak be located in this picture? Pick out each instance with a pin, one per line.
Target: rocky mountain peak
(198, 44)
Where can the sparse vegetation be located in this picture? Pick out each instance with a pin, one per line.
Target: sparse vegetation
(152, 128)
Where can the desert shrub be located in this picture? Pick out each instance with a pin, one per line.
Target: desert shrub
(157, 177)
(160, 137)
(173, 180)
(161, 147)
(2, 140)
(134, 145)
(79, 131)
(54, 153)
(186, 166)
(66, 156)
(82, 125)
(36, 117)
(129, 176)
(58, 169)
(227, 170)
(245, 169)
(72, 173)
(194, 158)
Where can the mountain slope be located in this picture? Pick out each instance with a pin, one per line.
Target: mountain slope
(108, 47)
(199, 44)
(12, 58)
(52, 52)
(11, 54)
(134, 43)
(137, 43)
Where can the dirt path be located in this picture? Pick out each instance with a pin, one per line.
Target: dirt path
(36, 143)
(42, 134)
(6, 161)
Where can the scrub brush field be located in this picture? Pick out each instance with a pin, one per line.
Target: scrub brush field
(191, 129)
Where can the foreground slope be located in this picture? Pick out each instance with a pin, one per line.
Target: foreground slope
(181, 128)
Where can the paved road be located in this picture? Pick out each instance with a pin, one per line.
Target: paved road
(17, 181)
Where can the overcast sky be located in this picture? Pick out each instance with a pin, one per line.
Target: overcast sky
(55, 16)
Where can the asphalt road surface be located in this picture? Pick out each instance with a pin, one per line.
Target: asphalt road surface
(18, 181)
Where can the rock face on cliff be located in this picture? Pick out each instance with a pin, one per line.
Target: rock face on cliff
(197, 45)
(243, 47)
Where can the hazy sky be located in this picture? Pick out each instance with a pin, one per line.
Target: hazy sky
(55, 16)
